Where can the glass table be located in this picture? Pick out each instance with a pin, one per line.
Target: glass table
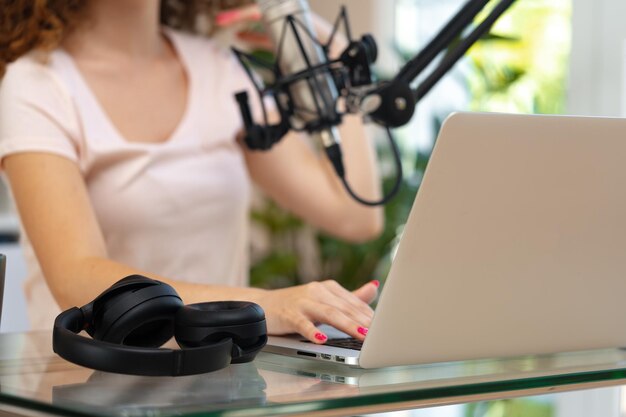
(34, 381)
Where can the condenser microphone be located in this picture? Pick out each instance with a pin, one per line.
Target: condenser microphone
(313, 98)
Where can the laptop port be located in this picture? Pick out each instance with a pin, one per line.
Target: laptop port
(340, 359)
(326, 356)
(309, 354)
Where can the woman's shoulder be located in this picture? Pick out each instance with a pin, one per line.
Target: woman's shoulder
(33, 74)
(36, 64)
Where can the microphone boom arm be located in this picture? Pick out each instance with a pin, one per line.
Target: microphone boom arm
(390, 103)
(395, 100)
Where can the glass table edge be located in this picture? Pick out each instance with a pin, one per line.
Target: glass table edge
(365, 400)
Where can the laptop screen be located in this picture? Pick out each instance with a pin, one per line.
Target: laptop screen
(2, 270)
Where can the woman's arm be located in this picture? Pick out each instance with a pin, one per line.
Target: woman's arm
(302, 181)
(59, 220)
(55, 209)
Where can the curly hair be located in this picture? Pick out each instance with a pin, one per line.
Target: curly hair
(27, 25)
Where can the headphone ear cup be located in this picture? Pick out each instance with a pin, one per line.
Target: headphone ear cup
(136, 311)
(147, 324)
(108, 297)
(203, 324)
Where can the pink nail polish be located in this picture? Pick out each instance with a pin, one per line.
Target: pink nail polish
(376, 282)
(321, 337)
(363, 330)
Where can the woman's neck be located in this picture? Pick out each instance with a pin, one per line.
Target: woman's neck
(124, 29)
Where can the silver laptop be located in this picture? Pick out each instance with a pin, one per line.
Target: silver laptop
(515, 245)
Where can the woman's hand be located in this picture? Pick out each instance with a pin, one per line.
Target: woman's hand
(298, 309)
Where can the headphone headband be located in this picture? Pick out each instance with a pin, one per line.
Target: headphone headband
(110, 357)
(129, 321)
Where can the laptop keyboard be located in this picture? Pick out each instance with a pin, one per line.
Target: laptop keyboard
(346, 343)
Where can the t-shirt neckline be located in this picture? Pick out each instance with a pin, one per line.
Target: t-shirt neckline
(180, 128)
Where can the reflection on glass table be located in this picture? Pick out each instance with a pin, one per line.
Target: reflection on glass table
(32, 378)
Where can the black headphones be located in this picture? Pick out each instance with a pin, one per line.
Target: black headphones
(131, 319)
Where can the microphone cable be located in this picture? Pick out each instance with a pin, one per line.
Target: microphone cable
(335, 156)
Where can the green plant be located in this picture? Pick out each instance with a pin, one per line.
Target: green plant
(518, 407)
(350, 264)
(523, 68)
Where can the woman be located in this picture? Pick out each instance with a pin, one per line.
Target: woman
(120, 139)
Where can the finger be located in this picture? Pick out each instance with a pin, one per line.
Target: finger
(240, 14)
(351, 305)
(325, 292)
(306, 328)
(368, 292)
(326, 314)
(362, 320)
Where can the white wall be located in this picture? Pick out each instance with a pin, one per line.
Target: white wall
(597, 68)
(604, 402)
(14, 306)
(14, 318)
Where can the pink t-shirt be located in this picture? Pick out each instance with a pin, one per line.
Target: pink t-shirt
(177, 208)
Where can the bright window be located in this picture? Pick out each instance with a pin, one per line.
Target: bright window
(521, 67)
